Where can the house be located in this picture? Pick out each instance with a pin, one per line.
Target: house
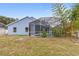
(33, 26)
(2, 29)
(20, 27)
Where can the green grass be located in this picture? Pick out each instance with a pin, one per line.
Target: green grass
(36, 46)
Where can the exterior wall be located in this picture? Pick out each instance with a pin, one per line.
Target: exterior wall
(2, 31)
(20, 27)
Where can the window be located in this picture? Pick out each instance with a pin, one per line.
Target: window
(26, 29)
(14, 29)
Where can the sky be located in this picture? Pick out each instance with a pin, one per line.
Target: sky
(20, 10)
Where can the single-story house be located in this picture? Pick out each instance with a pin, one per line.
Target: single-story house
(32, 26)
(2, 29)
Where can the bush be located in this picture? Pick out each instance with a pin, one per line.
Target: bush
(44, 34)
(58, 32)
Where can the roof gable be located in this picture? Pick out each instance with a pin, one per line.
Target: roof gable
(31, 18)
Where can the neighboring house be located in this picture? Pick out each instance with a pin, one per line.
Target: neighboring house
(32, 26)
(2, 29)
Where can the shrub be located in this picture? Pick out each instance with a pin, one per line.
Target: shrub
(58, 32)
(44, 34)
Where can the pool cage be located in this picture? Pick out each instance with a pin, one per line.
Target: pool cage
(39, 26)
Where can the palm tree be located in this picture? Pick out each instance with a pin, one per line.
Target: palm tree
(63, 13)
(75, 18)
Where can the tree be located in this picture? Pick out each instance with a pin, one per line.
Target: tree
(74, 18)
(75, 12)
(63, 13)
(6, 20)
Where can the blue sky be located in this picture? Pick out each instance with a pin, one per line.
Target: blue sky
(20, 10)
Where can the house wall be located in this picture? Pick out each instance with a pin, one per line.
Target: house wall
(2, 31)
(20, 25)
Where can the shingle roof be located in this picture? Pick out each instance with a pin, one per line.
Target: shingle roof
(52, 21)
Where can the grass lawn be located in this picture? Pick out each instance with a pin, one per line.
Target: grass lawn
(35, 46)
